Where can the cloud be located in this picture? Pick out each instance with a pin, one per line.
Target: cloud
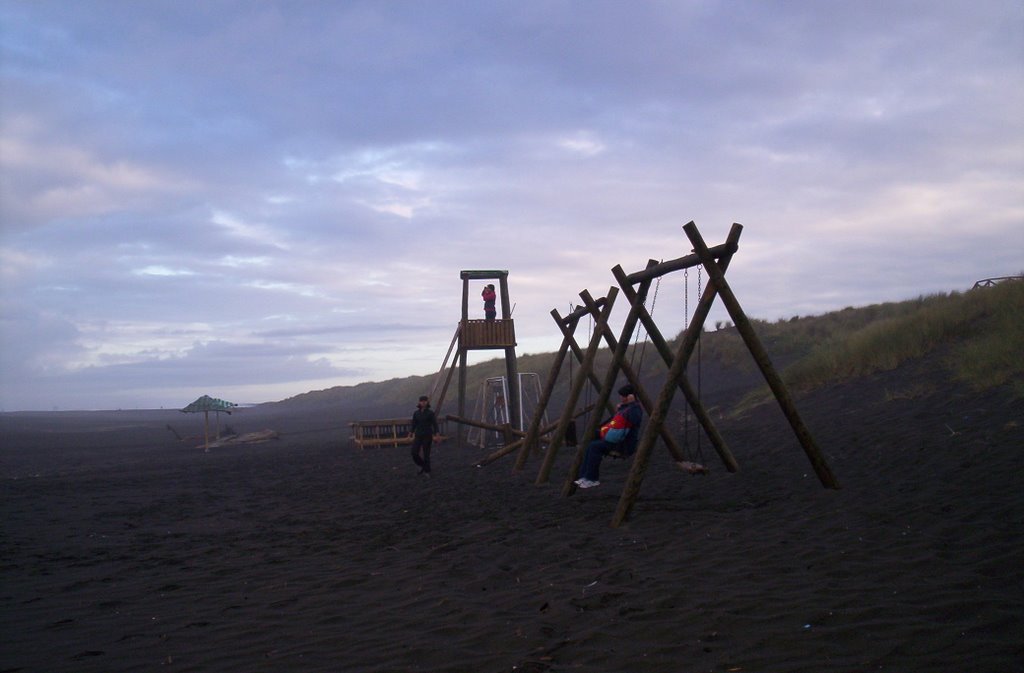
(44, 181)
(281, 196)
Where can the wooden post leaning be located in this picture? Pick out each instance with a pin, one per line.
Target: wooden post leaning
(578, 353)
(746, 330)
(618, 363)
(463, 354)
(567, 326)
(725, 253)
(511, 364)
(438, 399)
(676, 375)
(533, 433)
(518, 444)
(585, 372)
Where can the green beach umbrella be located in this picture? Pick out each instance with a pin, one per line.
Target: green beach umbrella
(206, 404)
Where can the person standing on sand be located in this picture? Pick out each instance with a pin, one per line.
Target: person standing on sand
(424, 430)
(489, 296)
(618, 437)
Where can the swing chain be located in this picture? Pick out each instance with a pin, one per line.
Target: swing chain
(686, 296)
(700, 329)
(686, 414)
(647, 336)
(686, 315)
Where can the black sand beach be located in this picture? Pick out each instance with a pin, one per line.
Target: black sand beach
(124, 549)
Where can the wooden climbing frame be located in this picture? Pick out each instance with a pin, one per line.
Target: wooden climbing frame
(714, 261)
(634, 287)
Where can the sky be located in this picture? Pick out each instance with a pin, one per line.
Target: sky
(254, 200)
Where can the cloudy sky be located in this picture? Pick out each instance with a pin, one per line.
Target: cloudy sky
(258, 199)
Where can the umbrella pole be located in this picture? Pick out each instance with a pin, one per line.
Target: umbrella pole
(206, 432)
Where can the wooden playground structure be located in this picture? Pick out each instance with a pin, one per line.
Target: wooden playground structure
(470, 334)
(548, 439)
(714, 261)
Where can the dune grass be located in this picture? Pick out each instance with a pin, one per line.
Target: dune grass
(981, 332)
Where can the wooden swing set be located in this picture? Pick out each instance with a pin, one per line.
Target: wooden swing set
(635, 288)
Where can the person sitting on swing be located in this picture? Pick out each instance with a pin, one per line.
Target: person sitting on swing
(618, 437)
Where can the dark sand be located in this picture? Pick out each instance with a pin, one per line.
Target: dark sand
(123, 549)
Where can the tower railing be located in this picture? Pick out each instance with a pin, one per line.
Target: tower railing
(484, 334)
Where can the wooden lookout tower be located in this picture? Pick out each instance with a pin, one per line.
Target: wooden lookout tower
(485, 334)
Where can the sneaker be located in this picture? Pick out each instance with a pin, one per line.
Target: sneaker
(586, 483)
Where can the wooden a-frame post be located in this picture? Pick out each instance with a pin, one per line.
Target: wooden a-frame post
(595, 308)
(717, 285)
(529, 442)
(533, 434)
(653, 270)
(746, 330)
(567, 326)
(581, 377)
(638, 312)
(618, 347)
(618, 363)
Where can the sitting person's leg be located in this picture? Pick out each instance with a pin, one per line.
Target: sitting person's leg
(591, 467)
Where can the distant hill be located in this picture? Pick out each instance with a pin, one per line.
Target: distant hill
(974, 338)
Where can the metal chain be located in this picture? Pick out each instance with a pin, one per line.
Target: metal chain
(686, 407)
(686, 295)
(647, 335)
(700, 293)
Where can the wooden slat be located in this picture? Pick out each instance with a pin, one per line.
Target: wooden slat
(483, 334)
(389, 432)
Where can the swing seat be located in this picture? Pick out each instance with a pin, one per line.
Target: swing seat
(691, 467)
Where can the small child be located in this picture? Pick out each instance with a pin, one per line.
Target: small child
(489, 297)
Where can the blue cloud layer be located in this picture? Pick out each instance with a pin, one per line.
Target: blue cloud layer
(275, 197)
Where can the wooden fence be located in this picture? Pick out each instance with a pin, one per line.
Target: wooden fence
(387, 432)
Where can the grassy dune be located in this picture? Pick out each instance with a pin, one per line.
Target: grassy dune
(975, 337)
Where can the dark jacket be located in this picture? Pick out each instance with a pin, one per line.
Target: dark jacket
(634, 413)
(489, 297)
(424, 422)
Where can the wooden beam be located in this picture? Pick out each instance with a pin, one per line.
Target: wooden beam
(678, 264)
(533, 433)
(482, 425)
(659, 412)
(505, 450)
(586, 371)
(618, 363)
(492, 274)
(439, 400)
(746, 330)
(661, 345)
(582, 311)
